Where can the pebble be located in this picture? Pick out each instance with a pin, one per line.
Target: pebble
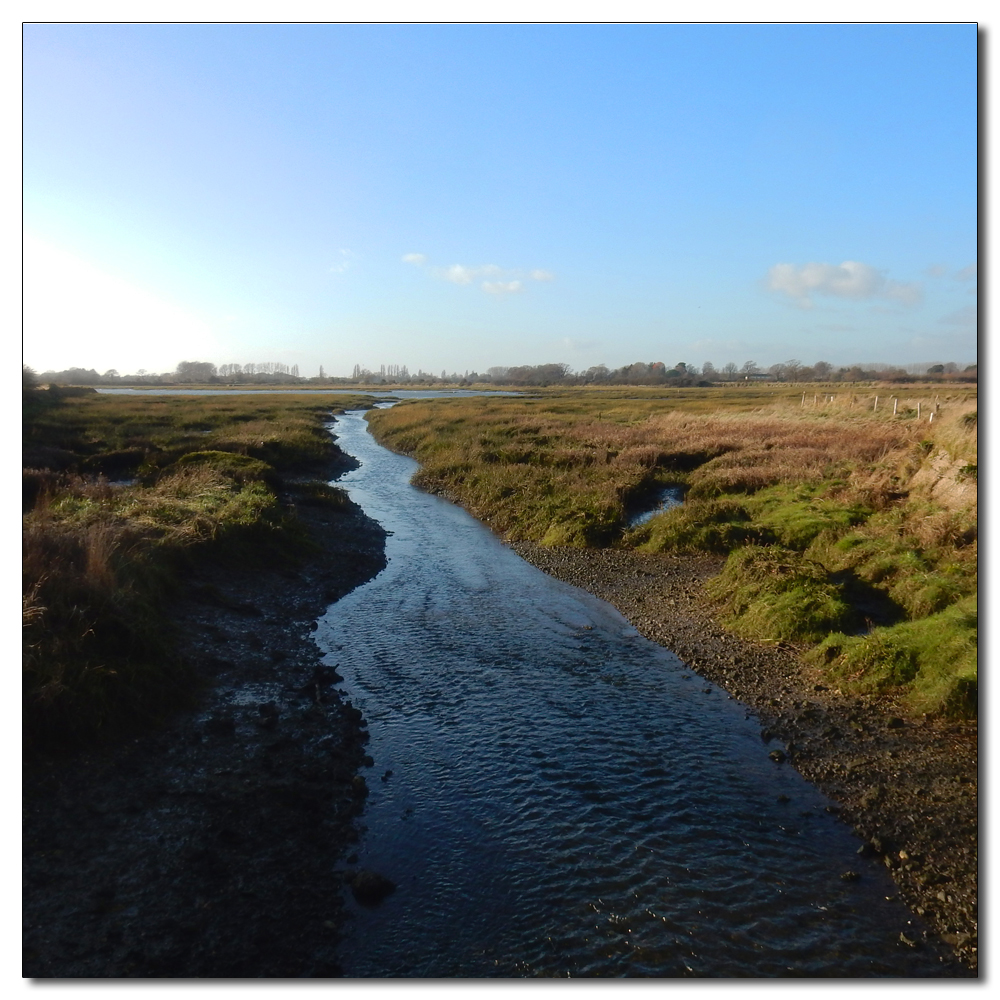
(370, 888)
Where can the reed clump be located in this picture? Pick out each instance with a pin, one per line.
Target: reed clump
(837, 518)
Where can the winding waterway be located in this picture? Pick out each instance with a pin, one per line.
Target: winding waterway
(566, 798)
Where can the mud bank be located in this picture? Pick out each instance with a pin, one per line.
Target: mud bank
(908, 787)
(216, 846)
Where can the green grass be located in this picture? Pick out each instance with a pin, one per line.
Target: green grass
(931, 662)
(772, 593)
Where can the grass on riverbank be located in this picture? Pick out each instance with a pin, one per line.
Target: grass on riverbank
(837, 518)
(100, 558)
(124, 436)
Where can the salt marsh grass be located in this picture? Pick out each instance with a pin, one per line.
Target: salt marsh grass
(194, 479)
(840, 513)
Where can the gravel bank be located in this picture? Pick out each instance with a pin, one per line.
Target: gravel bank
(216, 846)
(907, 786)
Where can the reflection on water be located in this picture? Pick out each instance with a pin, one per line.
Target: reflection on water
(565, 797)
(666, 498)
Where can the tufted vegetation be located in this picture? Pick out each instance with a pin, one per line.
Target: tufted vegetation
(835, 517)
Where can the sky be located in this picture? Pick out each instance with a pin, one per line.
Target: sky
(462, 196)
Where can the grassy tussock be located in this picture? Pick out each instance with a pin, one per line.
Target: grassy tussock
(772, 594)
(820, 508)
(100, 558)
(932, 661)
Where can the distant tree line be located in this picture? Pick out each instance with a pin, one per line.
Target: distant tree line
(638, 373)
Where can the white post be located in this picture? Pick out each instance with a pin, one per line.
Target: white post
(875, 407)
(918, 409)
(803, 399)
(931, 419)
(895, 403)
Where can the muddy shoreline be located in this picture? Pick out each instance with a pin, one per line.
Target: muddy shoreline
(907, 787)
(217, 845)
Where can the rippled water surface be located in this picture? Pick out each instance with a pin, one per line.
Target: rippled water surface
(566, 798)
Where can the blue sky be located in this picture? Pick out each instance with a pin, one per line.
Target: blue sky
(465, 196)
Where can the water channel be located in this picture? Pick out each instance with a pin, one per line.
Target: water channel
(555, 795)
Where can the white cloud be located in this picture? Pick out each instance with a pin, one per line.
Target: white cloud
(936, 271)
(459, 274)
(499, 280)
(849, 280)
(502, 287)
(967, 273)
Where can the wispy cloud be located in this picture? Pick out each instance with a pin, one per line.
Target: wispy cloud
(573, 344)
(345, 258)
(967, 316)
(849, 280)
(459, 274)
(502, 287)
(498, 280)
(967, 273)
(909, 293)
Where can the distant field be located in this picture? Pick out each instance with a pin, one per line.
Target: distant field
(849, 517)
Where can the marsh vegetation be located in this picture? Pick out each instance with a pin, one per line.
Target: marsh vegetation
(848, 519)
(121, 496)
